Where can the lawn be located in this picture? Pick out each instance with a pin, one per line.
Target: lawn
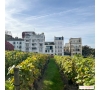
(52, 79)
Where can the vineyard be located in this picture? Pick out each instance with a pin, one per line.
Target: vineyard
(35, 69)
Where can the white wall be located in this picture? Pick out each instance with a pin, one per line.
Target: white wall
(17, 44)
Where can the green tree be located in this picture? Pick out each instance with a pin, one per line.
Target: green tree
(87, 51)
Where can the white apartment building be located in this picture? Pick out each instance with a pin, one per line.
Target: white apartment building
(17, 43)
(33, 42)
(59, 45)
(49, 48)
(75, 46)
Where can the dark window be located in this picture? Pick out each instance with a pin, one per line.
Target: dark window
(40, 44)
(20, 47)
(27, 40)
(78, 49)
(17, 42)
(34, 48)
(45, 50)
(13, 42)
(20, 42)
(32, 44)
(51, 47)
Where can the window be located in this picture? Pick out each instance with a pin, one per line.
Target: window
(33, 48)
(17, 42)
(45, 50)
(13, 42)
(20, 42)
(32, 44)
(20, 47)
(27, 40)
(78, 50)
(48, 47)
(51, 47)
(27, 44)
(40, 44)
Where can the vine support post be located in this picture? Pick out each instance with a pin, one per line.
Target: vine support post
(16, 79)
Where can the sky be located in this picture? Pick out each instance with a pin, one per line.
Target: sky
(67, 18)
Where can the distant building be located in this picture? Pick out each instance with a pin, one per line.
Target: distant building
(75, 46)
(33, 42)
(17, 43)
(49, 48)
(59, 45)
(8, 35)
(66, 49)
(8, 46)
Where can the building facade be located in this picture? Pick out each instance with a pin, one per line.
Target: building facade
(75, 46)
(33, 42)
(49, 48)
(59, 45)
(17, 43)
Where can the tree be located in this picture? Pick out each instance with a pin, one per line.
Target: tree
(87, 51)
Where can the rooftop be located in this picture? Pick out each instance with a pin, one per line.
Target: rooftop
(49, 43)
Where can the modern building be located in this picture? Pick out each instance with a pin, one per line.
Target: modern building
(49, 48)
(59, 45)
(33, 42)
(75, 46)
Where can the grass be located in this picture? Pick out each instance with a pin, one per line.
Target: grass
(52, 79)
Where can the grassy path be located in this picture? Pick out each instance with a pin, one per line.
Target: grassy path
(51, 79)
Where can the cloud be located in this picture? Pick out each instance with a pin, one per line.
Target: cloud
(73, 22)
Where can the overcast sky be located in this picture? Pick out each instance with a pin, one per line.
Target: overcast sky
(68, 18)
